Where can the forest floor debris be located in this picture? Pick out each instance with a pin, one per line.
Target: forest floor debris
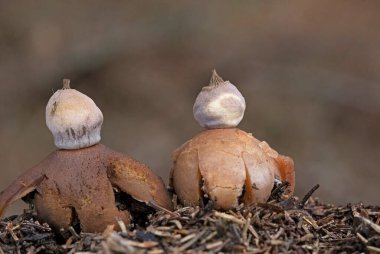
(283, 225)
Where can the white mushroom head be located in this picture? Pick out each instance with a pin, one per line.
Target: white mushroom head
(219, 105)
(73, 118)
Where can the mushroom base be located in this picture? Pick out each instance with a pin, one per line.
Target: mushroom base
(75, 188)
(228, 166)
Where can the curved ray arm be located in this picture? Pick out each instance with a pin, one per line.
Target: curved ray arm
(286, 167)
(139, 181)
(24, 184)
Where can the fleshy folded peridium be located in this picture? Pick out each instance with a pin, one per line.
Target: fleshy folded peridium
(228, 166)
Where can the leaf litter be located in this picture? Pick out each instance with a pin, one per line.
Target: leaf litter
(282, 225)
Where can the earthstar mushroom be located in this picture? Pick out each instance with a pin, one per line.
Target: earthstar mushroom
(223, 163)
(77, 181)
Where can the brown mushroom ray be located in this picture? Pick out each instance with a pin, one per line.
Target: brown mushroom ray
(186, 179)
(24, 184)
(64, 191)
(223, 181)
(137, 180)
(286, 171)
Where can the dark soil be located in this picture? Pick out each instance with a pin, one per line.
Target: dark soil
(283, 225)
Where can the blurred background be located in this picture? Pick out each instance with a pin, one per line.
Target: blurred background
(309, 71)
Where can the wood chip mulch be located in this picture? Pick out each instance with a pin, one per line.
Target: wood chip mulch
(283, 225)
